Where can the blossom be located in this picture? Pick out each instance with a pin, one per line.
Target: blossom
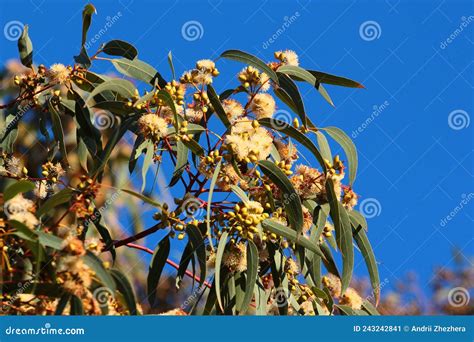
(252, 77)
(352, 299)
(333, 283)
(263, 105)
(308, 182)
(349, 198)
(12, 165)
(20, 209)
(233, 109)
(249, 143)
(41, 189)
(287, 57)
(235, 258)
(194, 114)
(59, 72)
(291, 267)
(153, 127)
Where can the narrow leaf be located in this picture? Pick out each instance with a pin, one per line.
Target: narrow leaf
(157, 264)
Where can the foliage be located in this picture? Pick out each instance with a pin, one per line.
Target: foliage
(261, 221)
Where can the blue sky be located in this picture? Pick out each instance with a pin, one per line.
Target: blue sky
(411, 124)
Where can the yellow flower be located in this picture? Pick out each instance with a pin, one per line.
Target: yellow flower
(249, 143)
(263, 106)
(352, 299)
(236, 257)
(287, 57)
(233, 109)
(59, 72)
(333, 283)
(153, 127)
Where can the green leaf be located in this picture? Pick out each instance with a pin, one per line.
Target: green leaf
(181, 162)
(220, 252)
(346, 310)
(240, 193)
(217, 105)
(120, 48)
(170, 62)
(57, 129)
(50, 240)
(249, 59)
(358, 219)
(87, 131)
(323, 77)
(209, 200)
(194, 146)
(343, 230)
(157, 264)
(293, 96)
(302, 74)
(137, 69)
(83, 58)
(91, 260)
(125, 288)
(23, 231)
(150, 152)
(348, 147)
(347, 248)
(25, 47)
(89, 9)
(290, 234)
(16, 188)
(197, 244)
(323, 145)
(251, 275)
(75, 308)
(360, 237)
(63, 301)
(290, 199)
(104, 233)
(61, 197)
(191, 129)
(285, 128)
(142, 197)
(371, 310)
(116, 107)
(122, 87)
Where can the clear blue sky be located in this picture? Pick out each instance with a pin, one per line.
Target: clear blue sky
(416, 155)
